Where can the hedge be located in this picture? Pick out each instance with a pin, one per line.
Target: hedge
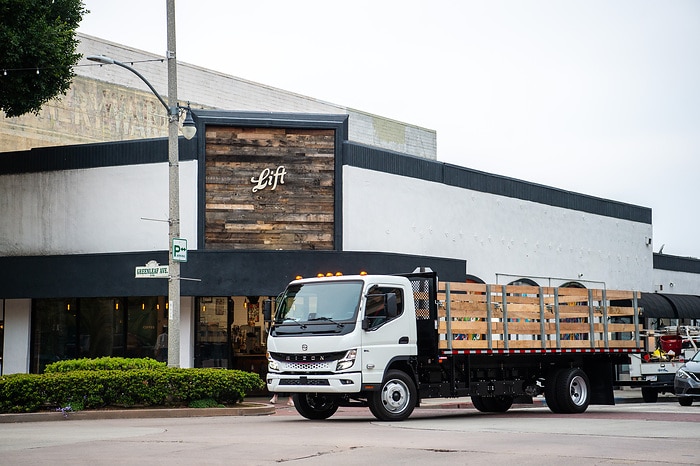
(93, 389)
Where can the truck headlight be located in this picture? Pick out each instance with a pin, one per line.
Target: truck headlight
(347, 361)
(272, 364)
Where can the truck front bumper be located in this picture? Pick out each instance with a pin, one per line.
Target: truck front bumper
(349, 382)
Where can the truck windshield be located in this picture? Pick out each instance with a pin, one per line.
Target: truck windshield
(319, 302)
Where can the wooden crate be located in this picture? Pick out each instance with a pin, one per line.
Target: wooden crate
(478, 316)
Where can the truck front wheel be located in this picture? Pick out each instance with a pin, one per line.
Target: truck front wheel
(315, 405)
(396, 398)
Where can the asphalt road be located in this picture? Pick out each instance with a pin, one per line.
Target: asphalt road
(630, 433)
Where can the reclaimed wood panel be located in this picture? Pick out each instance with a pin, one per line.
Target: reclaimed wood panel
(269, 188)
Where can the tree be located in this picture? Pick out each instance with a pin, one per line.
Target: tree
(38, 52)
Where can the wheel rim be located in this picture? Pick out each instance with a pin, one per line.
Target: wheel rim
(318, 403)
(395, 396)
(578, 391)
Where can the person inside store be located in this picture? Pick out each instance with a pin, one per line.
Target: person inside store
(161, 348)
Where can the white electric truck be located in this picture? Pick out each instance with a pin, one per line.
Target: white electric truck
(387, 342)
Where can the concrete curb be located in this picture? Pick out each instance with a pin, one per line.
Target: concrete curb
(244, 409)
(252, 408)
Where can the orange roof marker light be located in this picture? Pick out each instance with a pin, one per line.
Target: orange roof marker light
(363, 273)
(339, 274)
(298, 277)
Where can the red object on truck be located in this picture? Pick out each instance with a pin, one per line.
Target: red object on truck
(671, 343)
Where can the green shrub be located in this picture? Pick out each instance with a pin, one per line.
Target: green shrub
(205, 403)
(104, 364)
(91, 389)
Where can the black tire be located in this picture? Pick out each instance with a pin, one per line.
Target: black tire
(550, 391)
(479, 405)
(315, 405)
(650, 395)
(396, 398)
(685, 400)
(573, 391)
(492, 404)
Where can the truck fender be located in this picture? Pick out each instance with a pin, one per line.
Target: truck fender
(406, 364)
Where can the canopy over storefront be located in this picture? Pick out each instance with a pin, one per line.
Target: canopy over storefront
(670, 306)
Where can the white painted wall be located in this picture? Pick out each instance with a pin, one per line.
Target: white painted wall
(94, 210)
(16, 346)
(501, 238)
(672, 282)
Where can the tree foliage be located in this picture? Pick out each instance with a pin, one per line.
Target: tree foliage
(38, 52)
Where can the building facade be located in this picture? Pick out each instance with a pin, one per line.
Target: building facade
(264, 197)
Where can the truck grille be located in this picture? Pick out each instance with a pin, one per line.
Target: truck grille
(306, 366)
(318, 362)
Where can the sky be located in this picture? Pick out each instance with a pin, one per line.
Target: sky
(600, 97)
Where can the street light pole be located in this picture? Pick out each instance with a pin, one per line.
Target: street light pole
(173, 196)
(173, 178)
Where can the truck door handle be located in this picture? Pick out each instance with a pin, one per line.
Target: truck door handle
(403, 341)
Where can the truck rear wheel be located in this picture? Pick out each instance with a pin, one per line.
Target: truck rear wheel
(550, 391)
(492, 404)
(573, 390)
(396, 398)
(315, 405)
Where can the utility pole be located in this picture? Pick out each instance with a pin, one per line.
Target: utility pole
(173, 195)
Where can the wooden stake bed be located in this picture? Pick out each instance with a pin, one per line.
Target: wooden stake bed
(507, 317)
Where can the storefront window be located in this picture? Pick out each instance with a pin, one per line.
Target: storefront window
(2, 330)
(54, 323)
(147, 318)
(96, 327)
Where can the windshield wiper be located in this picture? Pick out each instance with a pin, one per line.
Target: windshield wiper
(328, 319)
(288, 320)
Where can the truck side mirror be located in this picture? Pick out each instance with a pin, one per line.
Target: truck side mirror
(390, 305)
(267, 310)
(365, 323)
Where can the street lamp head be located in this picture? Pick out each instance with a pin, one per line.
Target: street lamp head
(189, 128)
(101, 59)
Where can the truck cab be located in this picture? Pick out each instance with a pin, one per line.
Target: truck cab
(341, 335)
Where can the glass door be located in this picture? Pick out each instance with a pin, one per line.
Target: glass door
(213, 334)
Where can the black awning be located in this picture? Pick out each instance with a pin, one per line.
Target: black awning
(687, 306)
(670, 306)
(656, 306)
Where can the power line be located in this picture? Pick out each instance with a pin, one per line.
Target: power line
(39, 69)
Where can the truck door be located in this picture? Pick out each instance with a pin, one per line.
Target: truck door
(385, 336)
